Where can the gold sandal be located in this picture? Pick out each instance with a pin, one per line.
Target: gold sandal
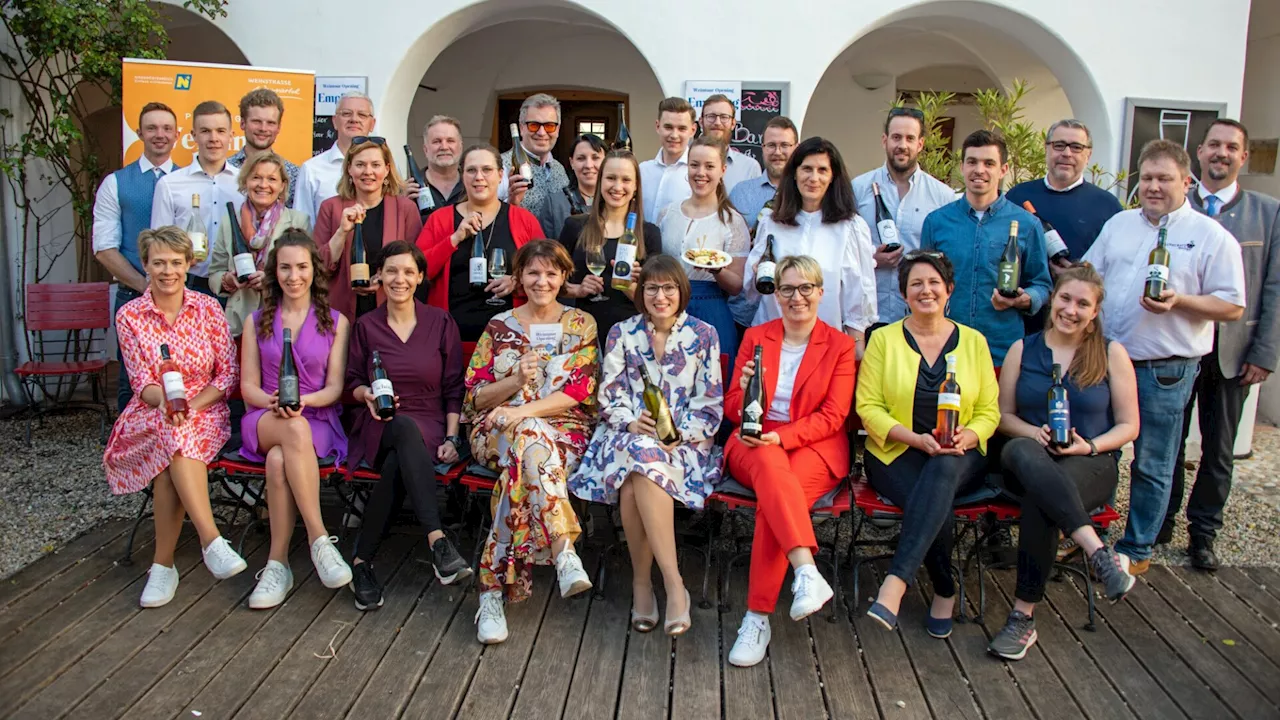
(680, 625)
(645, 623)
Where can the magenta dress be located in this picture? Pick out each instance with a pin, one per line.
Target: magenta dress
(311, 356)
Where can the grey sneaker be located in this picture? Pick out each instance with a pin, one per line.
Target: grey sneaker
(1110, 572)
(1015, 638)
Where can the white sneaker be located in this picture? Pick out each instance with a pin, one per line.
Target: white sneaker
(810, 591)
(221, 560)
(491, 618)
(162, 585)
(573, 579)
(332, 569)
(753, 640)
(274, 583)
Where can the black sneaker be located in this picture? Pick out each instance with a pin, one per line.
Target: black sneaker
(1107, 568)
(1015, 638)
(365, 586)
(449, 565)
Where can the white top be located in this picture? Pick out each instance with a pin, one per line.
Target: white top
(106, 207)
(317, 182)
(681, 232)
(1204, 259)
(788, 366)
(1079, 181)
(846, 256)
(925, 194)
(1225, 195)
(172, 202)
(663, 184)
(739, 166)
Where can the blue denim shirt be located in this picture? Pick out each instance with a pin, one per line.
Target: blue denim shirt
(974, 246)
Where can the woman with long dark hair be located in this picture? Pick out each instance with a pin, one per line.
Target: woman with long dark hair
(585, 158)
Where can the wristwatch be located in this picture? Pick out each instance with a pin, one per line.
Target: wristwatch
(456, 440)
(1093, 449)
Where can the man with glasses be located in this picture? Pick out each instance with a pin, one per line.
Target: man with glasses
(539, 130)
(909, 194)
(718, 123)
(318, 177)
(665, 179)
(261, 112)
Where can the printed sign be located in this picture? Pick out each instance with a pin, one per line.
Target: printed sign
(757, 109)
(545, 338)
(697, 91)
(329, 88)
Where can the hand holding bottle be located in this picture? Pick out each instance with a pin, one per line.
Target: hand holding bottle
(748, 371)
(229, 283)
(962, 441)
(643, 425)
(284, 412)
(1021, 301)
(1078, 446)
(517, 186)
(926, 443)
(1168, 301)
(255, 281)
(769, 438)
(886, 258)
(470, 227)
(351, 216)
(370, 402)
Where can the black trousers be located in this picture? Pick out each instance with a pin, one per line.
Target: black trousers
(407, 468)
(1221, 405)
(1057, 494)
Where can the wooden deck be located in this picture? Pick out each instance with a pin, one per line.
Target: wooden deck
(73, 643)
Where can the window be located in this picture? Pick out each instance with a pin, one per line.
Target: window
(593, 126)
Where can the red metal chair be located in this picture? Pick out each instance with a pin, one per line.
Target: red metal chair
(73, 313)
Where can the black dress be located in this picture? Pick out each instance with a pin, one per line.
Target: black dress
(467, 306)
(372, 232)
(617, 306)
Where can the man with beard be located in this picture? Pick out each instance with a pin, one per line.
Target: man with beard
(718, 122)
(261, 112)
(318, 177)
(1166, 337)
(442, 143)
(909, 194)
(1244, 351)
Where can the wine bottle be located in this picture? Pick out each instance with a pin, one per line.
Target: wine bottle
(753, 400)
(384, 397)
(622, 140)
(519, 158)
(1054, 246)
(624, 259)
(948, 406)
(1059, 411)
(425, 201)
(242, 259)
(1157, 268)
(197, 231)
(359, 263)
(175, 392)
(478, 270)
(290, 396)
(1010, 268)
(656, 403)
(885, 224)
(766, 269)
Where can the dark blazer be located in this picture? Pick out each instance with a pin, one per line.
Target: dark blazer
(400, 222)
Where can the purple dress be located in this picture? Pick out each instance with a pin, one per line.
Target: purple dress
(311, 356)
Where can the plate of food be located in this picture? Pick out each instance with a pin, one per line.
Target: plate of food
(707, 258)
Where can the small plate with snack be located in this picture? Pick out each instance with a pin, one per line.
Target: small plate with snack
(707, 258)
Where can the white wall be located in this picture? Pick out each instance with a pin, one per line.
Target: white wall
(1261, 113)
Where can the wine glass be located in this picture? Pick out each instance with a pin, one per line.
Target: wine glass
(497, 268)
(596, 264)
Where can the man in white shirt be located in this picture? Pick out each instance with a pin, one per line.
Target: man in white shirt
(1165, 337)
(665, 179)
(718, 123)
(210, 177)
(909, 194)
(318, 177)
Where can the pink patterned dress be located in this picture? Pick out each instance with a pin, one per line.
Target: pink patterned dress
(142, 442)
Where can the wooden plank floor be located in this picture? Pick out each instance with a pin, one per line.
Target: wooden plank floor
(73, 643)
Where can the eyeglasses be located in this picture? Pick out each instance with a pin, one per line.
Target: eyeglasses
(784, 147)
(668, 290)
(355, 113)
(717, 118)
(533, 126)
(789, 291)
(907, 112)
(361, 139)
(1061, 146)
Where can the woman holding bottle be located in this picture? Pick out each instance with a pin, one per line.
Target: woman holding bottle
(405, 365)
(791, 447)
(181, 363)
(261, 220)
(290, 431)
(1064, 467)
(585, 159)
(369, 195)
(480, 227)
(592, 241)
(643, 461)
(918, 465)
(530, 403)
(707, 220)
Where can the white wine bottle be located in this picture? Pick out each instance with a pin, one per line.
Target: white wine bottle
(197, 231)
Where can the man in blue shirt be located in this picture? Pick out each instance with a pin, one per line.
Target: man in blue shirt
(778, 141)
(973, 231)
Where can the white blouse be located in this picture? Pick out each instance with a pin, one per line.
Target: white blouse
(788, 366)
(681, 232)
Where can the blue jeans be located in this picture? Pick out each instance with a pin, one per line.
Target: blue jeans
(1164, 387)
(124, 391)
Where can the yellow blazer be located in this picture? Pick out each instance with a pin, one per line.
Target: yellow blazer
(887, 385)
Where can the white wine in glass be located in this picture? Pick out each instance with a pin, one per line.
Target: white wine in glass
(497, 268)
(596, 264)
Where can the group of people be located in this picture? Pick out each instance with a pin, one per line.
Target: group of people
(556, 397)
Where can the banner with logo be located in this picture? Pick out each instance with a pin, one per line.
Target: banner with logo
(328, 90)
(183, 85)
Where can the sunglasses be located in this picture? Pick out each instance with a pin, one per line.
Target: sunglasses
(361, 139)
(906, 112)
(533, 126)
(919, 254)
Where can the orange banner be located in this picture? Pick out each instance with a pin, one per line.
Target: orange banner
(182, 86)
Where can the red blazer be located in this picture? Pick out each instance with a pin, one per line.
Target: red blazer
(434, 243)
(400, 221)
(820, 400)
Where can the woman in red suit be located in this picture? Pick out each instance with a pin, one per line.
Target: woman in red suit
(802, 453)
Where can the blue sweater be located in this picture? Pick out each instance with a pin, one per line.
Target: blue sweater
(1077, 214)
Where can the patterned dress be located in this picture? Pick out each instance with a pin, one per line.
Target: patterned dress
(535, 456)
(689, 376)
(142, 442)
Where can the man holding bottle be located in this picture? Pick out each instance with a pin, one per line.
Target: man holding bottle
(1165, 331)
(719, 119)
(261, 112)
(665, 178)
(539, 129)
(318, 177)
(909, 194)
(442, 145)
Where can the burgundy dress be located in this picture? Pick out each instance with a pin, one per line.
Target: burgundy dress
(425, 372)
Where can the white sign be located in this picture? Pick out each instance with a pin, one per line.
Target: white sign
(697, 91)
(545, 338)
(329, 89)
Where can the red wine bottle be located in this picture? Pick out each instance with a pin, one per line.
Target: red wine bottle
(384, 397)
(753, 400)
(290, 394)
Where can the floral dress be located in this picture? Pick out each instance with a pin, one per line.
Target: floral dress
(689, 376)
(534, 457)
(142, 442)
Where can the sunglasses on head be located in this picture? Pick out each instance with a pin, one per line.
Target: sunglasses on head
(918, 254)
(361, 139)
(906, 112)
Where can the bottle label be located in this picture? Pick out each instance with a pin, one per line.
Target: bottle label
(479, 268)
(663, 423)
(199, 245)
(244, 265)
(623, 260)
(1054, 246)
(1157, 273)
(888, 230)
(289, 389)
(949, 401)
(526, 171)
(1008, 276)
(381, 388)
(360, 271)
(425, 201)
(766, 270)
(752, 414)
(173, 387)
